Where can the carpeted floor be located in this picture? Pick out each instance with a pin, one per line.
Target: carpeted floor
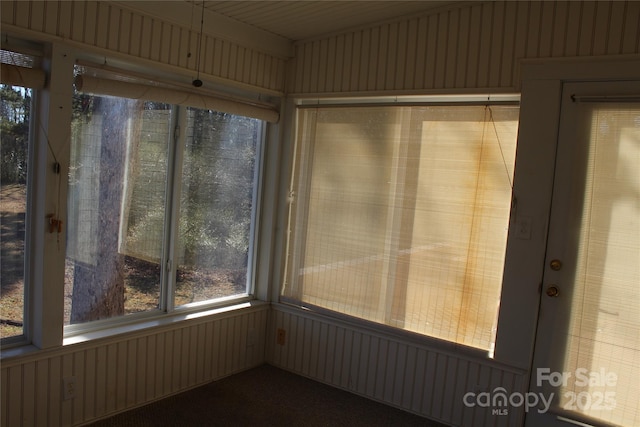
(265, 396)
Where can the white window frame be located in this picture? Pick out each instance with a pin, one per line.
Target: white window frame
(444, 99)
(44, 303)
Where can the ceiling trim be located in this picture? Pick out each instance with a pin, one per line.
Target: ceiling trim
(216, 25)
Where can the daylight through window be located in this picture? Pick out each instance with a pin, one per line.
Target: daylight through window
(399, 216)
(15, 116)
(160, 206)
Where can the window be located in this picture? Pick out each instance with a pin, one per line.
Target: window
(161, 206)
(399, 215)
(15, 116)
(20, 79)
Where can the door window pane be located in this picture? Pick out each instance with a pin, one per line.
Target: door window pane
(216, 205)
(116, 206)
(15, 114)
(603, 344)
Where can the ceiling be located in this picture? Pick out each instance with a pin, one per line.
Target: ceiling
(305, 19)
(274, 26)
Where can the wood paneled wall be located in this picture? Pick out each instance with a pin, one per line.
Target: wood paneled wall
(116, 374)
(102, 25)
(391, 370)
(472, 47)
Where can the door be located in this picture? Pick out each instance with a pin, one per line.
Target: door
(587, 353)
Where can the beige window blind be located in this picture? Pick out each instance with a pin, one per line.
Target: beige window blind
(399, 215)
(110, 87)
(17, 69)
(604, 331)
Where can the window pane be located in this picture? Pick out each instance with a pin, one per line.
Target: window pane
(216, 205)
(401, 216)
(116, 206)
(604, 329)
(15, 114)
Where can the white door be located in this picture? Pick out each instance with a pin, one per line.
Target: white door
(587, 352)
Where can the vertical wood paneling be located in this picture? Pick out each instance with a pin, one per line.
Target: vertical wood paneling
(130, 372)
(13, 394)
(441, 48)
(36, 18)
(631, 38)
(546, 37)
(453, 57)
(175, 367)
(452, 403)
(601, 26)
(121, 373)
(41, 393)
(88, 380)
(100, 384)
(573, 29)
(587, 34)
(163, 373)
(7, 11)
(22, 14)
(348, 56)
(335, 64)
(124, 31)
(467, 47)
(372, 60)
(102, 24)
(461, 386)
(50, 16)
(391, 62)
(426, 382)
(77, 360)
(356, 71)
(409, 41)
(113, 33)
(559, 29)
(55, 390)
(28, 390)
(155, 45)
(165, 43)
(430, 384)
(507, 60)
(486, 36)
(106, 26)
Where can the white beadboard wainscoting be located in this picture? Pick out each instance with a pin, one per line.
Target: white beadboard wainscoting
(477, 45)
(128, 370)
(392, 370)
(120, 31)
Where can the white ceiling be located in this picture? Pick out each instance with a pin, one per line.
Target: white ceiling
(304, 19)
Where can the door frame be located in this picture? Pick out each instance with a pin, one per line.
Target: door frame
(541, 92)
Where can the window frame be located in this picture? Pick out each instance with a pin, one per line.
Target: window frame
(35, 52)
(24, 338)
(51, 120)
(176, 145)
(406, 100)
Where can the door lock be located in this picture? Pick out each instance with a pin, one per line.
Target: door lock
(552, 291)
(555, 264)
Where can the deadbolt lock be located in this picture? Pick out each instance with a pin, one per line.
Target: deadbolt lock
(555, 264)
(552, 291)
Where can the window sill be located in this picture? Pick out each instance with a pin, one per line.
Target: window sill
(163, 320)
(131, 327)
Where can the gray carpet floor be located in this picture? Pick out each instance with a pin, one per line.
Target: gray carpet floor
(265, 396)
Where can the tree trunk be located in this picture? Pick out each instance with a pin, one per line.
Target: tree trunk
(98, 288)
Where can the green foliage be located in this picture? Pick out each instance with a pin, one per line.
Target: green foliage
(218, 180)
(14, 133)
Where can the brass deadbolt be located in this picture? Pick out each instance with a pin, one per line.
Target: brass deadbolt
(555, 264)
(552, 291)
